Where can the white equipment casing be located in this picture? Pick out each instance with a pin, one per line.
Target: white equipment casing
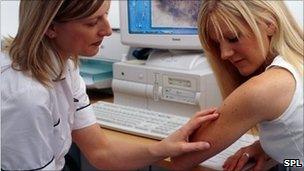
(166, 85)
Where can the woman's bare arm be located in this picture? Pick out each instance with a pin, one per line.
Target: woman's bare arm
(259, 99)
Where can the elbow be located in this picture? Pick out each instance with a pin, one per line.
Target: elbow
(99, 164)
(98, 161)
(102, 165)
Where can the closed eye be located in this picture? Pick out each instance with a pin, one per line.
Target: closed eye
(233, 40)
(92, 24)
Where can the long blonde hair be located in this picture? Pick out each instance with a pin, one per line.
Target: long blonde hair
(287, 40)
(31, 49)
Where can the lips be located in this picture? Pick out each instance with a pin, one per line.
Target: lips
(237, 62)
(96, 43)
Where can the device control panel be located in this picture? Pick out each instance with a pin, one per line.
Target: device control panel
(179, 89)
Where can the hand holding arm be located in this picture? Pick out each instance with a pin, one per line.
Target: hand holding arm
(177, 143)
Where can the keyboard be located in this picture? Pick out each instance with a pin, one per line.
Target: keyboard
(137, 121)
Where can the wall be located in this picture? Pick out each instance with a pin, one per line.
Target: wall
(9, 14)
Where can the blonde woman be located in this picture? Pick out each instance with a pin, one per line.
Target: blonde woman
(256, 51)
(44, 106)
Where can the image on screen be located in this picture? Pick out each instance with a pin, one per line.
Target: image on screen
(163, 17)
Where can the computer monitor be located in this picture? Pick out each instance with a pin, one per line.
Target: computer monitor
(160, 24)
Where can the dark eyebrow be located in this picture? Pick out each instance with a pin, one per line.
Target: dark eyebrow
(97, 16)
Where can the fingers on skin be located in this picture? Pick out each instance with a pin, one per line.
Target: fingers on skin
(193, 124)
(209, 117)
(242, 161)
(232, 161)
(227, 162)
(195, 146)
(205, 112)
(199, 118)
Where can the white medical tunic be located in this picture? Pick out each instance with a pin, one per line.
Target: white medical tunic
(36, 122)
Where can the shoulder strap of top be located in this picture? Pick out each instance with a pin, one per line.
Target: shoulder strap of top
(279, 61)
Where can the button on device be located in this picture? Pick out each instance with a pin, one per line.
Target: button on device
(140, 76)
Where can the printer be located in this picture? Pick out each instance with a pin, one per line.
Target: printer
(173, 82)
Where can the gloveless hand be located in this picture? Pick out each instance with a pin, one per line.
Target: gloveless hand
(177, 143)
(253, 153)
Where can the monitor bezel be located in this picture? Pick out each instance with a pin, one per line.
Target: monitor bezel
(182, 42)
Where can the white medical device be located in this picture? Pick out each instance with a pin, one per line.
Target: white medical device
(180, 84)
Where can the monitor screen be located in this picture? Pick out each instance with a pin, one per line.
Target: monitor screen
(163, 24)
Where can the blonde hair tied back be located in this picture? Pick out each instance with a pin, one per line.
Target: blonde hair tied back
(31, 51)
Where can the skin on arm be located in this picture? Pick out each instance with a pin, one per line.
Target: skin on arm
(109, 154)
(262, 98)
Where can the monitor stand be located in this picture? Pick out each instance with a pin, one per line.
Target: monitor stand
(177, 59)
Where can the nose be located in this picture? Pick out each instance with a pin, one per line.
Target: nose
(105, 29)
(226, 50)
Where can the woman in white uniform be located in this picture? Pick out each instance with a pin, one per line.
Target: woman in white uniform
(256, 51)
(44, 103)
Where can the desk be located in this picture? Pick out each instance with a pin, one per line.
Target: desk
(95, 96)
